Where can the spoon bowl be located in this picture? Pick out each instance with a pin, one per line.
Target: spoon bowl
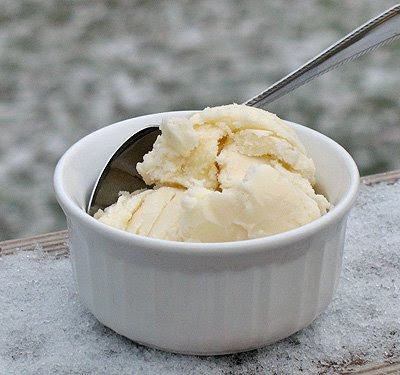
(120, 172)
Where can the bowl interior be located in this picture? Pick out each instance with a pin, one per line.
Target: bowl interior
(80, 166)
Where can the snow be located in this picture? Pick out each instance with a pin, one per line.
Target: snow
(45, 329)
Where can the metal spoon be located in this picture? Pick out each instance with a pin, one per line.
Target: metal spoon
(120, 172)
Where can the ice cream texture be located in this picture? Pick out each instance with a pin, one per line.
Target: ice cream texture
(227, 173)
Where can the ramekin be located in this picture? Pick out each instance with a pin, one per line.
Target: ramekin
(204, 298)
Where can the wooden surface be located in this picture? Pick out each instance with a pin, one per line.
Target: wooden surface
(56, 243)
(388, 177)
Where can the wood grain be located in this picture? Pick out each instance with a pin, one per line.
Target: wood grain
(383, 368)
(55, 243)
(387, 177)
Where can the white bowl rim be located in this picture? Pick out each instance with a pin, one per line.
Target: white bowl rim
(243, 247)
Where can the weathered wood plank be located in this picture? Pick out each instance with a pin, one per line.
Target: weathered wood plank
(55, 243)
(387, 367)
(388, 177)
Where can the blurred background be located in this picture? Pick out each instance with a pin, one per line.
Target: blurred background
(68, 68)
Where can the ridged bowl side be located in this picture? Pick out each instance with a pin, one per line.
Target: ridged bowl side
(203, 305)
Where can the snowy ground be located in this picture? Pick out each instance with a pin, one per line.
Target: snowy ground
(70, 67)
(45, 329)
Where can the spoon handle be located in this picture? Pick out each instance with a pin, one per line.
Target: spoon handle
(376, 32)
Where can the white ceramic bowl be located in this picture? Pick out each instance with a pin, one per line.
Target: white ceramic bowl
(204, 298)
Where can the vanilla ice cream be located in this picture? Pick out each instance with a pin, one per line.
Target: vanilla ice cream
(226, 173)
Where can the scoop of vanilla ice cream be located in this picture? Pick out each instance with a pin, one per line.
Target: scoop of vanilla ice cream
(183, 155)
(262, 204)
(226, 173)
(151, 213)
